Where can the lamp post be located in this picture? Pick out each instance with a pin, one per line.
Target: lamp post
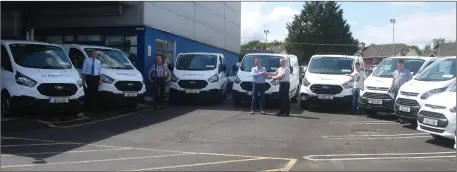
(393, 36)
(266, 37)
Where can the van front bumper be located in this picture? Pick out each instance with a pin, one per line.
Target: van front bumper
(386, 106)
(26, 102)
(212, 93)
(410, 116)
(113, 98)
(314, 99)
(244, 96)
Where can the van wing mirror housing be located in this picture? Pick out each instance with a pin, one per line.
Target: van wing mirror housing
(238, 64)
(234, 67)
(291, 69)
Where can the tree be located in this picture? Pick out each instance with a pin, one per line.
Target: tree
(320, 22)
(259, 45)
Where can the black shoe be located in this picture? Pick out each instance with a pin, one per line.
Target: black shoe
(278, 114)
(285, 115)
(402, 122)
(397, 120)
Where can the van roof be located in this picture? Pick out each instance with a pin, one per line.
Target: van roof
(449, 57)
(26, 42)
(259, 54)
(200, 53)
(88, 46)
(334, 55)
(407, 57)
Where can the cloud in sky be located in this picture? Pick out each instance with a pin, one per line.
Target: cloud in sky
(411, 27)
(254, 22)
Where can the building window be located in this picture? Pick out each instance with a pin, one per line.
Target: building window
(69, 38)
(89, 38)
(167, 49)
(126, 43)
(53, 39)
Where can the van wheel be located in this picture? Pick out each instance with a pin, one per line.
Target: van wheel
(304, 105)
(7, 110)
(295, 98)
(235, 100)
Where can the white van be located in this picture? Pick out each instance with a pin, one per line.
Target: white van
(38, 75)
(373, 94)
(121, 83)
(199, 73)
(242, 86)
(432, 80)
(325, 79)
(437, 116)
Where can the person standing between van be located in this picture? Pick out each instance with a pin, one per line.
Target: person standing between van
(158, 75)
(359, 77)
(91, 76)
(283, 76)
(400, 77)
(259, 75)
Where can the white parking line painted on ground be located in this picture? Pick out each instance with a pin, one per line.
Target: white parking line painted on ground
(81, 151)
(8, 119)
(93, 161)
(38, 144)
(378, 136)
(364, 122)
(381, 156)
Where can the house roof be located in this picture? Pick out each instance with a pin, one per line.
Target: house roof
(382, 50)
(445, 49)
(278, 49)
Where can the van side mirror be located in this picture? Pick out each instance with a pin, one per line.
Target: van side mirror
(170, 67)
(238, 64)
(234, 67)
(291, 69)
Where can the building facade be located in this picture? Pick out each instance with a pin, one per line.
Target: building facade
(140, 29)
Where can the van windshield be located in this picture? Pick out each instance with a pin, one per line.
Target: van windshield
(388, 67)
(112, 59)
(441, 70)
(196, 62)
(269, 62)
(40, 56)
(331, 65)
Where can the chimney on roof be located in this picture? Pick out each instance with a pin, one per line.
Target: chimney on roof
(362, 45)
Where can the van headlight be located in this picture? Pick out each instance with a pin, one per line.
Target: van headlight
(79, 83)
(237, 80)
(21, 79)
(213, 79)
(349, 84)
(174, 78)
(274, 82)
(305, 82)
(107, 79)
(453, 110)
(427, 94)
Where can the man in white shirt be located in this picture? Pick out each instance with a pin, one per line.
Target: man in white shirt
(359, 77)
(283, 76)
(92, 77)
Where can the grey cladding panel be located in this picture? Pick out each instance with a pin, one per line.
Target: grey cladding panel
(235, 6)
(162, 19)
(231, 16)
(232, 29)
(209, 36)
(213, 7)
(208, 19)
(185, 9)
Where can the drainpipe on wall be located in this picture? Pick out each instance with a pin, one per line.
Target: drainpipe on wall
(27, 36)
(32, 34)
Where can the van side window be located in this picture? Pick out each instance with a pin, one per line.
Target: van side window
(6, 61)
(77, 57)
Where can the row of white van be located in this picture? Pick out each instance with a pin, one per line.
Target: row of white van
(41, 75)
(429, 99)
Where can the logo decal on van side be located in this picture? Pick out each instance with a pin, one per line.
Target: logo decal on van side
(126, 74)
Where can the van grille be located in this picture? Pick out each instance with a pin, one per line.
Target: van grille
(326, 89)
(408, 93)
(128, 85)
(57, 89)
(407, 102)
(192, 84)
(376, 96)
(248, 86)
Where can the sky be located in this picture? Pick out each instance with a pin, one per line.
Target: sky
(417, 23)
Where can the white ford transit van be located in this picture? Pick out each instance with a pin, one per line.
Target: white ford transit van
(122, 83)
(437, 115)
(242, 86)
(38, 75)
(373, 94)
(325, 79)
(199, 73)
(434, 79)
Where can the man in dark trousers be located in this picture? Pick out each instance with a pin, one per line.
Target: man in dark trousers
(282, 75)
(259, 75)
(158, 75)
(92, 78)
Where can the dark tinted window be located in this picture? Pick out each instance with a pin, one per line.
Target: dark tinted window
(270, 62)
(196, 62)
(388, 67)
(331, 65)
(40, 56)
(6, 62)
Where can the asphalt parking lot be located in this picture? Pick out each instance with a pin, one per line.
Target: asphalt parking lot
(222, 138)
